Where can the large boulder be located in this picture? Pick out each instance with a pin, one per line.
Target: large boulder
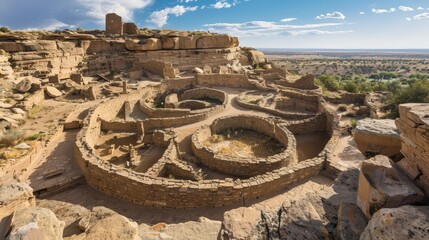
(24, 85)
(36, 223)
(407, 222)
(242, 223)
(71, 214)
(53, 92)
(216, 41)
(256, 57)
(170, 43)
(377, 136)
(381, 185)
(311, 217)
(15, 196)
(188, 42)
(144, 45)
(351, 222)
(103, 223)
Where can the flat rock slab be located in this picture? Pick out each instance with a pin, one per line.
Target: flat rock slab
(377, 136)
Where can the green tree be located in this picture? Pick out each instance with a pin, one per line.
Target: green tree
(4, 29)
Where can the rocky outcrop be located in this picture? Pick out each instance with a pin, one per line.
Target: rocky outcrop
(381, 185)
(407, 222)
(308, 218)
(36, 223)
(377, 136)
(414, 126)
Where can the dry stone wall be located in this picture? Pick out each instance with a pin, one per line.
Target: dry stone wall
(150, 190)
(248, 166)
(414, 127)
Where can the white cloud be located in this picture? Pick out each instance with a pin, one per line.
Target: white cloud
(97, 9)
(378, 11)
(406, 9)
(265, 28)
(317, 32)
(421, 16)
(420, 8)
(160, 18)
(48, 13)
(362, 13)
(187, 1)
(408, 19)
(222, 4)
(288, 19)
(333, 15)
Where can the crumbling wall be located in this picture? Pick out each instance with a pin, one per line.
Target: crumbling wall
(227, 80)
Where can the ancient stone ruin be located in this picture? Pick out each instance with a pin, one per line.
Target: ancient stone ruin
(161, 134)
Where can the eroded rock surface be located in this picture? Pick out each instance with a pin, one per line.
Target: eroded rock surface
(381, 185)
(377, 136)
(407, 222)
(36, 223)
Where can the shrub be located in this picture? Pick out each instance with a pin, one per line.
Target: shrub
(354, 123)
(33, 137)
(418, 92)
(351, 87)
(342, 108)
(10, 137)
(4, 29)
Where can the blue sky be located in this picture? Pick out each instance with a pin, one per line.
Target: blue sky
(257, 23)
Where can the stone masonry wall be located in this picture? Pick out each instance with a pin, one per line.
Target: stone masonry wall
(414, 127)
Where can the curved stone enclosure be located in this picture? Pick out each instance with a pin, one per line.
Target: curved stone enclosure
(245, 167)
(153, 188)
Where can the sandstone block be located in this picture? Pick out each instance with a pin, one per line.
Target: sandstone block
(53, 92)
(144, 45)
(170, 43)
(351, 222)
(382, 185)
(377, 136)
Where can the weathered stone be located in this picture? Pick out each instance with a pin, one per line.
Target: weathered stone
(103, 223)
(15, 196)
(198, 70)
(67, 212)
(242, 223)
(381, 185)
(53, 92)
(36, 223)
(256, 57)
(377, 136)
(170, 43)
(207, 69)
(351, 222)
(144, 45)
(24, 85)
(407, 222)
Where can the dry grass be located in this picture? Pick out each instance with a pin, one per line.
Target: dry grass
(10, 138)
